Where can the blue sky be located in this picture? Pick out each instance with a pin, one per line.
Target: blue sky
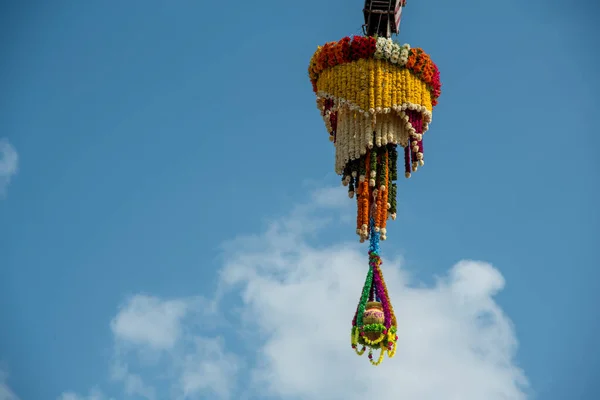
(170, 223)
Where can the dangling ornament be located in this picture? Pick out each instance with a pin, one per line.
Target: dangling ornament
(374, 95)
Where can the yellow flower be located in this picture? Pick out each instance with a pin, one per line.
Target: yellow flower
(387, 87)
(381, 354)
(371, 85)
(373, 342)
(378, 85)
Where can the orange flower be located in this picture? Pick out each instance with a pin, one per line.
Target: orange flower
(427, 75)
(420, 64)
(412, 59)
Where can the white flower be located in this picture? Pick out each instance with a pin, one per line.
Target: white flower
(380, 44)
(378, 54)
(394, 58)
(406, 46)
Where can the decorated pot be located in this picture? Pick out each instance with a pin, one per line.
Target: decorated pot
(373, 315)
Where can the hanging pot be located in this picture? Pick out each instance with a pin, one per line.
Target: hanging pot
(373, 315)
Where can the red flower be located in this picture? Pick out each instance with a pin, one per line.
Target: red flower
(372, 45)
(354, 49)
(363, 47)
(345, 49)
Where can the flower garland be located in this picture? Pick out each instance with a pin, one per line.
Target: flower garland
(374, 289)
(353, 49)
(374, 95)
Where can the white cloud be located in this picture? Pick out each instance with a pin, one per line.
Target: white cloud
(95, 394)
(292, 304)
(454, 340)
(133, 384)
(9, 163)
(6, 392)
(148, 321)
(209, 369)
(155, 342)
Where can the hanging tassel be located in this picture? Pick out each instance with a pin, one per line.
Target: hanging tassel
(374, 324)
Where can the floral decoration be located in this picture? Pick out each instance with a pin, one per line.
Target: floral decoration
(353, 49)
(374, 95)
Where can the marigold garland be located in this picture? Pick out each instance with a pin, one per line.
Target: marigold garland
(349, 50)
(374, 95)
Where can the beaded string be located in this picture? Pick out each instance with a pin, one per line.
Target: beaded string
(374, 250)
